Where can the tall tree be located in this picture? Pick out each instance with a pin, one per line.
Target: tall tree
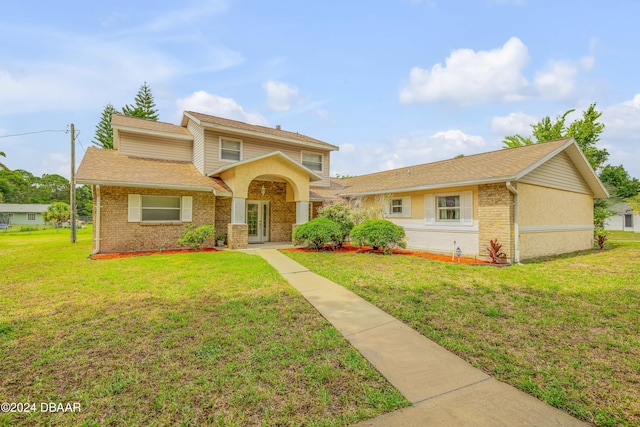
(2, 165)
(104, 132)
(144, 106)
(586, 131)
(619, 182)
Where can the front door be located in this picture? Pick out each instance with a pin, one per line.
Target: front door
(258, 220)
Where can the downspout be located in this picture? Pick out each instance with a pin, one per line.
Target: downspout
(96, 226)
(516, 220)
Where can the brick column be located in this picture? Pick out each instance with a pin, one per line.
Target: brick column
(237, 236)
(495, 218)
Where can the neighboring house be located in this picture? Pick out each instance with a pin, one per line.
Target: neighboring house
(22, 214)
(536, 200)
(623, 219)
(257, 183)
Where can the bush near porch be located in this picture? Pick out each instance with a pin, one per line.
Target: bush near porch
(214, 338)
(564, 329)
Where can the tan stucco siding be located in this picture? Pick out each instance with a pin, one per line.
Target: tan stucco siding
(254, 147)
(558, 172)
(198, 145)
(542, 244)
(418, 199)
(155, 147)
(553, 221)
(239, 178)
(437, 237)
(542, 206)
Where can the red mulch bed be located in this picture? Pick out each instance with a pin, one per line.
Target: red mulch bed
(143, 253)
(367, 249)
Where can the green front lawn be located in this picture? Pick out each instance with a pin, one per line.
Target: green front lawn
(628, 236)
(566, 329)
(185, 339)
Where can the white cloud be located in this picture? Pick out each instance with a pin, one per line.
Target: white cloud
(280, 96)
(70, 70)
(557, 81)
(470, 77)
(404, 151)
(208, 103)
(489, 76)
(513, 123)
(623, 118)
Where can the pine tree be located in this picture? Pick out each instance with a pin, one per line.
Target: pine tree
(104, 132)
(144, 105)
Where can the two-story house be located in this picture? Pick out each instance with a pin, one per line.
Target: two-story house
(257, 183)
(252, 182)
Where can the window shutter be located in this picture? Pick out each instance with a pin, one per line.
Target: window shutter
(135, 207)
(186, 209)
(429, 209)
(466, 202)
(406, 207)
(387, 209)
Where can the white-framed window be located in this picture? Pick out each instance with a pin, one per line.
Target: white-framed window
(449, 208)
(31, 217)
(152, 208)
(399, 207)
(313, 161)
(230, 149)
(396, 206)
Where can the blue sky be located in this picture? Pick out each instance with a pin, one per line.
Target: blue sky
(393, 83)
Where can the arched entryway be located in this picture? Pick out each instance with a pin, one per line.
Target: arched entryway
(270, 197)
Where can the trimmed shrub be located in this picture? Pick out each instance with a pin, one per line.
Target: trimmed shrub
(379, 234)
(342, 214)
(317, 233)
(195, 237)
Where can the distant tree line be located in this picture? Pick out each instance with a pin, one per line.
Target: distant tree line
(21, 186)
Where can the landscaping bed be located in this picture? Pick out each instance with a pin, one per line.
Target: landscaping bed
(367, 249)
(116, 255)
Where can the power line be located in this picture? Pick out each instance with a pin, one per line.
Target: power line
(31, 133)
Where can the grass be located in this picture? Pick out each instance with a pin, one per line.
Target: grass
(185, 339)
(628, 236)
(565, 329)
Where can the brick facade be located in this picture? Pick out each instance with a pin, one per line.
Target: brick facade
(223, 215)
(495, 217)
(120, 235)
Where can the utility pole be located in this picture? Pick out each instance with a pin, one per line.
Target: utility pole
(72, 184)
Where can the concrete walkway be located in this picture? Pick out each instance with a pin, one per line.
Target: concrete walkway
(444, 389)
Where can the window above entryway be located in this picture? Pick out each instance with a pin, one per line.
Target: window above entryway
(230, 149)
(312, 161)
